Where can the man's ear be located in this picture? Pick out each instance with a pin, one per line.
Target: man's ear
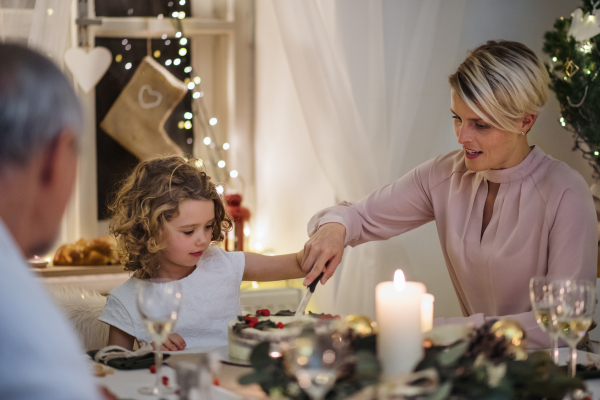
(528, 121)
(54, 154)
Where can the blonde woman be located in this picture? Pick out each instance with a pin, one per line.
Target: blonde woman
(505, 211)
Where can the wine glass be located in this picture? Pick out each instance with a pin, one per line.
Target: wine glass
(158, 302)
(572, 305)
(540, 303)
(314, 358)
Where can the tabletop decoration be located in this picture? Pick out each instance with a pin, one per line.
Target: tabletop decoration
(482, 364)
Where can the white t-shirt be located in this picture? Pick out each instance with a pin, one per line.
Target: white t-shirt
(211, 298)
(41, 356)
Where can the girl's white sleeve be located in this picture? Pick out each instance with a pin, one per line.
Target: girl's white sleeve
(116, 314)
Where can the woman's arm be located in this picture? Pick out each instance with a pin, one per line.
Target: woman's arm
(273, 268)
(119, 338)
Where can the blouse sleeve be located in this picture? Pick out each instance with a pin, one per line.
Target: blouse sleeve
(238, 262)
(394, 209)
(115, 314)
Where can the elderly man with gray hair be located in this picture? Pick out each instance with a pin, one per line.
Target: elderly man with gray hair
(40, 123)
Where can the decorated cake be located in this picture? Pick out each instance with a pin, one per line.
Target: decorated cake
(247, 331)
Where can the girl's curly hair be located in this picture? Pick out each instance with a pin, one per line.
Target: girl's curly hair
(148, 198)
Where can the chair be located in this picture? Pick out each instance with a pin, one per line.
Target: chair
(83, 307)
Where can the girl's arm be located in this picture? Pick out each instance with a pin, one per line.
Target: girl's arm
(273, 268)
(120, 338)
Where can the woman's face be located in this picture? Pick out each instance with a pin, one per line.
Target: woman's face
(485, 147)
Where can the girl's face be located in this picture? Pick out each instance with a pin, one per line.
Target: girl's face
(189, 234)
(487, 147)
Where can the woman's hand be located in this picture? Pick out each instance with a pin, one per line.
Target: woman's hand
(323, 252)
(174, 342)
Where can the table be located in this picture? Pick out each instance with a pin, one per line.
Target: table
(125, 383)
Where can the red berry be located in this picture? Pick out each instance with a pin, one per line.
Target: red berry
(165, 380)
(251, 324)
(258, 312)
(216, 382)
(280, 325)
(153, 369)
(266, 313)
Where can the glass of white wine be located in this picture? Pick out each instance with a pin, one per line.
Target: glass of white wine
(314, 358)
(540, 303)
(572, 305)
(158, 302)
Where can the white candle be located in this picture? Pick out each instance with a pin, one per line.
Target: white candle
(427, 312)
(399, 343)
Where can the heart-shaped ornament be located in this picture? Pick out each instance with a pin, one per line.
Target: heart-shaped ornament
(154, 95)
(88, 67)
(583, 27)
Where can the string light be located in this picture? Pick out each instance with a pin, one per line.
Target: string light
(212, 121)
(562, 121)
(177, 61)
(197, 80)
(124, 42)
(233, 173)
(178, 35)
(118, 58)
(157, 54)
(220, 189)
(188, 115)
(199, 163)
(160, 16)
(196, 95)
(597, 153)
(183, 42)
(182, 51)
(221, 164)
(187, 125)
(128, 47)
(164, 36)
(168, 62)
(180, 124)
(181, 15)
(187, 69)
(191, 85)
(247, 231)
(254, 284)
(207, 140)
(128, 65)
(175, 14)
(50, 11)
(182, 2)
(554, 59)
(189, 141)
(225, 146)
(167, 42)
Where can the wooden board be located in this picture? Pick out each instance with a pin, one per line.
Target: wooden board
(52, 271)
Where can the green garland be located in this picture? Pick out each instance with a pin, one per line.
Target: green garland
(573, 70)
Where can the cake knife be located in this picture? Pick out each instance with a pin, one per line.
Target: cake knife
(309, 291)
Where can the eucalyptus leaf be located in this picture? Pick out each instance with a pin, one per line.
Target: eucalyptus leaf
(452, 354)
(259, 358)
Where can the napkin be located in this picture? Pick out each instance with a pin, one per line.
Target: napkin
(120, 358)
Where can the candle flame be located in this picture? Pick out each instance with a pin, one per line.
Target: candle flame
(399, 280)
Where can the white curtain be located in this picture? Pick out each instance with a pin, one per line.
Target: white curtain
(371, 81)
(40, 24)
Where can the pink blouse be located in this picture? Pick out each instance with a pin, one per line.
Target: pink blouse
(544, 224)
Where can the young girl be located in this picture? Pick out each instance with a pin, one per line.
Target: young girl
(165, 217)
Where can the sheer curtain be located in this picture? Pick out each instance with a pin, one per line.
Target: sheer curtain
(371, 81)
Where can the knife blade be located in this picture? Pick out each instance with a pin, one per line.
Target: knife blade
(310, 289)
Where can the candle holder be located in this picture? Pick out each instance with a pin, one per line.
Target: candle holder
(37, 262)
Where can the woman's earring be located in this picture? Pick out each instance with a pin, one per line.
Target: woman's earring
(522, 133)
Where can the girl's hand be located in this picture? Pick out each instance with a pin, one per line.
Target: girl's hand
(174, 342)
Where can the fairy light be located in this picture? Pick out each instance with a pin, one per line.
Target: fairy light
(182, 2)
(220, 189)
(199, 163)
(128, 65)
(50, 11)
(168, 62)
(181, 124)
(188, 115)
(160, 16)
(554, 59)
(181, 15)
(157, 54)
(221, 164)
(188, 125)
(187, 69)
(254, 284)
(124, 42)
(177, 61)
(207, 140)
(197, 80)
(189, 140)
(118, 58)
(258, 246)
(178, 35)
(175, 14)
(182, 51)
(247, 231)
(196, 95)
(212, 121)
(191, 85)
(597, 153)
(128, 47)
(183, 42)
(233, 173)
(586, 47)
(591, 18)
(225, 146)
(164, 36)
(167, 42)
(562, 121)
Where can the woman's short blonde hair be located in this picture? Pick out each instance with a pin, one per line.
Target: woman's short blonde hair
(149, 197)
(502, 81)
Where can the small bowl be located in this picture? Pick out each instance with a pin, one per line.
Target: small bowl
(38, 263)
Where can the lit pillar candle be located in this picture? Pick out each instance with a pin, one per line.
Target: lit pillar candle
(398, 307)
(427, 312)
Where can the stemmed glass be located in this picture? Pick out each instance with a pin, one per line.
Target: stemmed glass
(572, 305)
(158, 302)
(314, 358)
(540, 302)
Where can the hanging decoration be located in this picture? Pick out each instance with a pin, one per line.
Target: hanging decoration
(137, 117)
(88, 67)
(573, 67)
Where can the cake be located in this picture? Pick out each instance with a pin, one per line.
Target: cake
(247, 331)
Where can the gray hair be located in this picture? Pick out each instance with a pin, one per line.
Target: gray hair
(37, 103)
